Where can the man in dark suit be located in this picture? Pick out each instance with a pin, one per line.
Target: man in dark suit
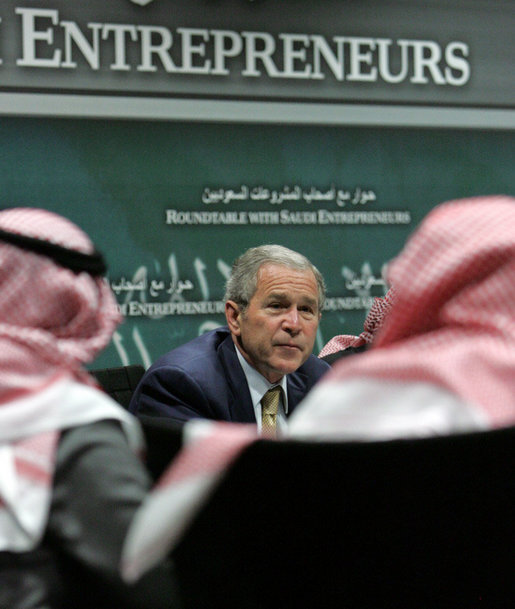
(273, 304)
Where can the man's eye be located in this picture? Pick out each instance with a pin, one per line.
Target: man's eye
(308, 310)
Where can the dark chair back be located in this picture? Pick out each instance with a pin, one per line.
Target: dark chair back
(405, 524)
(163, 439)
(163, 436)
(119, 382)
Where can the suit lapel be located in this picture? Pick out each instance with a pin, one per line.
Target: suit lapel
(240, 402)
(297, 382)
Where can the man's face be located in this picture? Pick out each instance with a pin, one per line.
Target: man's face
(277, 331)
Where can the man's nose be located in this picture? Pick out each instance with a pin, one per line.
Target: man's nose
(291, 320)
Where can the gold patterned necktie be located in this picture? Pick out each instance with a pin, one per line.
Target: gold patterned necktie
(269, 408)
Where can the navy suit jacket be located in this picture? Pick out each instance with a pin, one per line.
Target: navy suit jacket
(204, 379)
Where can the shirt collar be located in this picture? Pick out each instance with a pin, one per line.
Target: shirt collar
(258, 385)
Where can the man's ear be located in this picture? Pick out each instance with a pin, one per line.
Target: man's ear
(232, 315)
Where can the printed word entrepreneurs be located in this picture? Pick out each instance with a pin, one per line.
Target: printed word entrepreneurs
(51, 42)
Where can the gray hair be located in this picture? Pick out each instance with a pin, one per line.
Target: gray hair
(242, 283)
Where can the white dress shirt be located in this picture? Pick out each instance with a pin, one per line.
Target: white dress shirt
(258, 386)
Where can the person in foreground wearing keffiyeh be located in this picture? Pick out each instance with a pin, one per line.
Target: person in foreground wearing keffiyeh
(443, 362)
(70, 475)
(445, 359)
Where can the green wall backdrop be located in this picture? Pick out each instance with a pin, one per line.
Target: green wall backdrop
(318, 188)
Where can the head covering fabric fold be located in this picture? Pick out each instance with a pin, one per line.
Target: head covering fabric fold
(452, 321)
(373, 321)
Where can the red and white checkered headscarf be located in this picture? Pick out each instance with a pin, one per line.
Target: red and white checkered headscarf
(52, 321)
(373, 321)
(452, 321)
